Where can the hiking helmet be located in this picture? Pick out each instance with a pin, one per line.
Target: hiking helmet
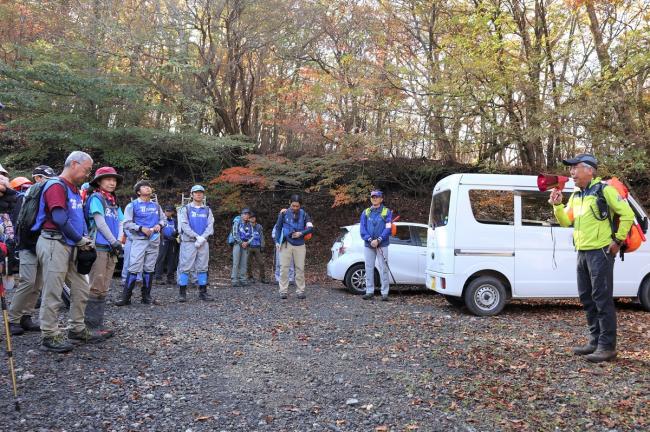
(141, 183)
(197, 188)
(20, 182)
(104, 172)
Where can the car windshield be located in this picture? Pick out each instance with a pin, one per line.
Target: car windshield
(439, 213)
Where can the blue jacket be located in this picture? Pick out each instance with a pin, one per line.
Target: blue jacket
(375, 224)
(288, 223)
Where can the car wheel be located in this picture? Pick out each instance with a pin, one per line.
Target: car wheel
(644, 294)
(355, 279)
(455, 301)
(485, 296)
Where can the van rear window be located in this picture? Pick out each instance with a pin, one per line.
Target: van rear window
(494, 207)
(439, 212)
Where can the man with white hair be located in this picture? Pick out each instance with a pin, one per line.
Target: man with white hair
(62, 244)
(589, 210)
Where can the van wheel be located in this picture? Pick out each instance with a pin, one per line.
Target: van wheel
(485, 296)
(355, 279)
(455, 301)
(644, 295)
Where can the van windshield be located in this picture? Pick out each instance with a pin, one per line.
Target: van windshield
(439, 213)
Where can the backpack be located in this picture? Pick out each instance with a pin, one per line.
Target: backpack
(384, 215)
(231, 238)
(28, 213)
(636, 235)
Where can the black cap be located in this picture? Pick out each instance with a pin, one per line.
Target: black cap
(246, 210)
(170, 208)
(587, 158)
(141, 183)
(43, 170)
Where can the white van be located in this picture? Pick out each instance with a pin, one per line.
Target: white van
(494, 237)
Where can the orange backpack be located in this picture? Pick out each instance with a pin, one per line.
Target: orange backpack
(636, 235)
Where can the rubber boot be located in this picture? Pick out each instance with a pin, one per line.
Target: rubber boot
(131, 279)
(203, 293)
(182, 293)
(147, 282)
(94, 318)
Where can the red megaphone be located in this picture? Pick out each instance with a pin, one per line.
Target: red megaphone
(549, 181)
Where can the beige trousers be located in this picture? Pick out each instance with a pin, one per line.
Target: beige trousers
(28, 288)
(101, 274)
(287, 252)
(55, 259)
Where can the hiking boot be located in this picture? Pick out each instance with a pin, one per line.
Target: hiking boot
(182, 294)
(367, 296)
(301, 296)
(16, 329)
(584, 349)
(236, 284)
(384, 298)
(28, 325)
(601, 355)
(284, 296)
(129, 285)
(171, 281)
(86, 336)
(203, 293)
(57, 344)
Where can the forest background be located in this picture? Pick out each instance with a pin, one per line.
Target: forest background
(330, 98)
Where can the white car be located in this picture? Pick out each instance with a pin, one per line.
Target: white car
(406, 257)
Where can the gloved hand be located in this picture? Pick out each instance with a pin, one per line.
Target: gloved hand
(85, 243)
(117, 247)
(200, 241)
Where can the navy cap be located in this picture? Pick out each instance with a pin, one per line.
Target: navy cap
(246, 210)
(377, 193)
(587, 158)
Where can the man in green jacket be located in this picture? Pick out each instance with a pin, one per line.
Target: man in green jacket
(597, 247)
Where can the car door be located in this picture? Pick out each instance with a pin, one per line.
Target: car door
(419, 236)
(402, 256)
(545, 259)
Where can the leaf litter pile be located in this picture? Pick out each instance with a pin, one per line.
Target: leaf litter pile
(333, 362)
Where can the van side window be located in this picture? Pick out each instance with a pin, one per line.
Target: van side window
(439, 212)
(536, 211)
(493, 206)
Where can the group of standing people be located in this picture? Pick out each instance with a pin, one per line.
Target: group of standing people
(66, 233)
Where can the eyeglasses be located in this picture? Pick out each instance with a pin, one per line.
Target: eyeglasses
(375, 196)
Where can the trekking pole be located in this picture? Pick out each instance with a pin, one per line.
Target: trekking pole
(386, 264)
(10, 354)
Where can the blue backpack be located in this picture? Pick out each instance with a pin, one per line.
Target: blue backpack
(231, 238)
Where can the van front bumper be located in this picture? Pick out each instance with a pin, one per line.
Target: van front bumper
(445, 283)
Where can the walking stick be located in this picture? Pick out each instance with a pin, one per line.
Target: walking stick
(386, 264)
(10, 354)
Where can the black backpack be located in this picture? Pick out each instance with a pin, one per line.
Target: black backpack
(27, 217)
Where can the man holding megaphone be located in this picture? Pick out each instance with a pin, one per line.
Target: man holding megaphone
(597, 247)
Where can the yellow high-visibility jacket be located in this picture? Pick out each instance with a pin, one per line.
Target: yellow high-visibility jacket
(589, 233)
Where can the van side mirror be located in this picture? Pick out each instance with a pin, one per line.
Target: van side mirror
(644, 225)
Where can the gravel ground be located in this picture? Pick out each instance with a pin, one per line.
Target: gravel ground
(333, 362)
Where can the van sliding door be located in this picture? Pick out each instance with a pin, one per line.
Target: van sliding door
(545, 260)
